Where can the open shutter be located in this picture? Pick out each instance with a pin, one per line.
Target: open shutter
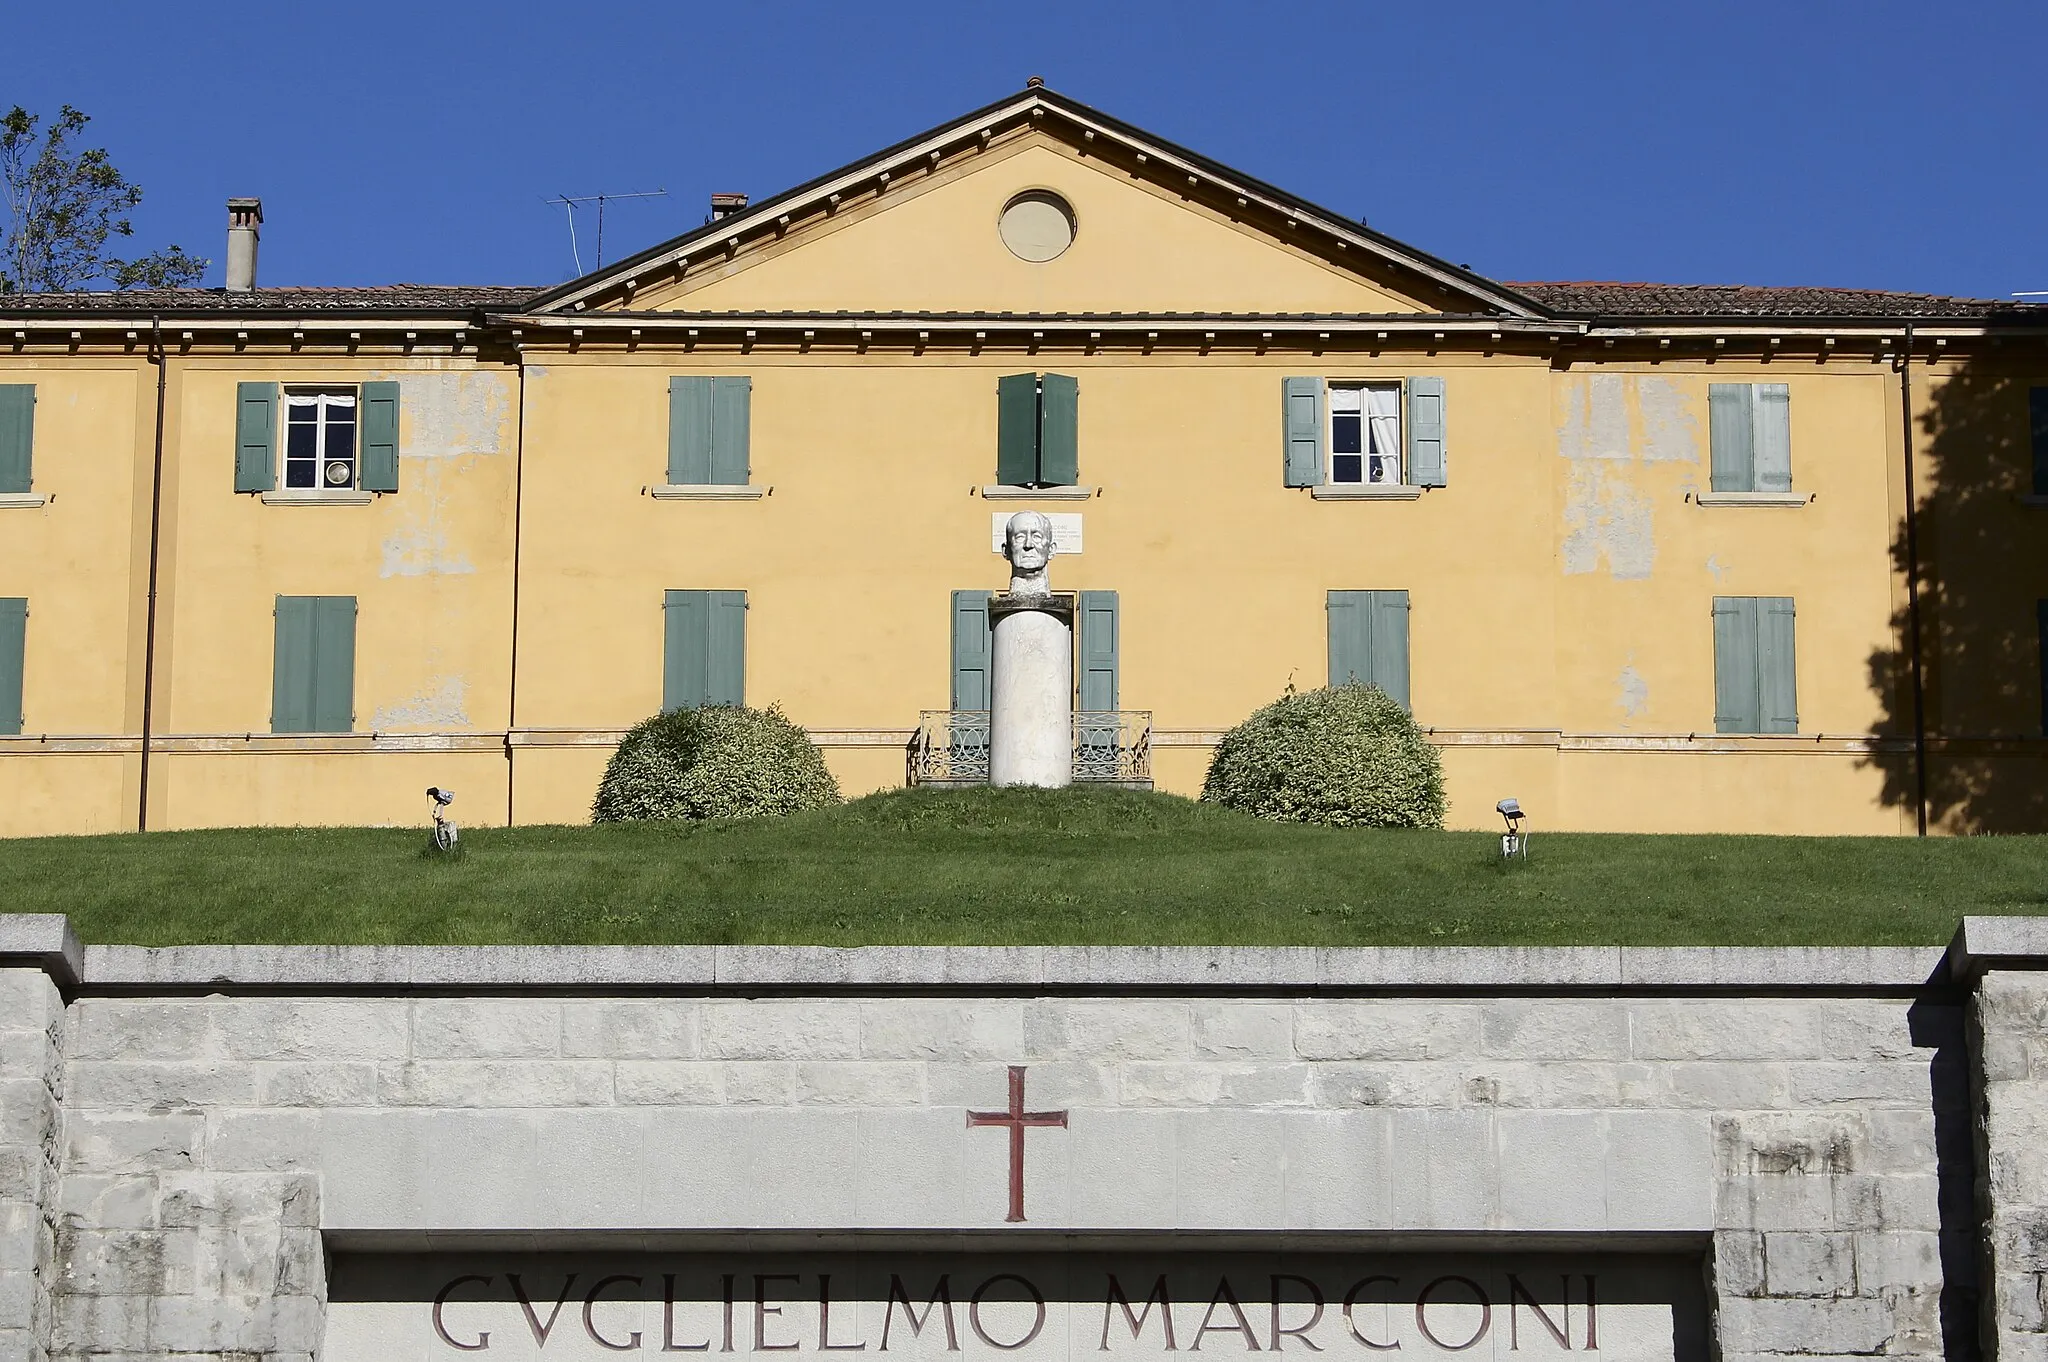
(13, 651)
(17, 439)
(1771, 435)
(2037, 420)
(380, 437)
(1017, 430)
(291, 666)
(1426, 467)
(1350, 629)
(1737, 699)
(334, 664)
(1059, 431)
(1389, 625)
(255, 437)
(725, 648)
(1099, 627)
(731, 431)
(1777, 688)
(689, 433)
(686, 629)
(1301, 405)
(972, 651)
(1730, 433)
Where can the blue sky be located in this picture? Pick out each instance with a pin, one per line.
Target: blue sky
(1874, 144)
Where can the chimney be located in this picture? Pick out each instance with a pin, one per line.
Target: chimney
(245, 224)
(725, 205)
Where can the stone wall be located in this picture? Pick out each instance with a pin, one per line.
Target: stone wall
(2012, 1022)
(32, 1032)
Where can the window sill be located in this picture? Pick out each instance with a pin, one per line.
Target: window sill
(318, 498)
(1006, 492)
(21, 500)
(1752, 498)
(1364, 491)
(706, 491)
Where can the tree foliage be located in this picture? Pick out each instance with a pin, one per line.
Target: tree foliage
(1344, 756)
(722, 761)
(65, 206)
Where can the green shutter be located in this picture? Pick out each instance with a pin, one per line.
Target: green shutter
(685, 658)
(689, 433)
(1350, 630)
(1301, 438)
(1097, 613)
(1059, 431)
(334, 664)
(291, 666)
(1426, 467)
(1730, 432)
(13, 651)
(380, 437)
(2037, 413)
(731, 431)
(1738, 699)
(1777, 686)
(17, 438)
(255, 437)
(1771, 434)
(972, 648)
(725, 649)
(1390, 644)
(1017, 430)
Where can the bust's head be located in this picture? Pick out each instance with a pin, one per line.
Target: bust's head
(1027, 542)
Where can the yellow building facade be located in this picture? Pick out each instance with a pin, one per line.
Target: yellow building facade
(1644, 557)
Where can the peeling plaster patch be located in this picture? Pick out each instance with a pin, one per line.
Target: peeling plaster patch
(1671, 432)
(1717, 567)
(449, 415)
(1634, 691)
(441, 704)
(1596, 418)
(1606, 517)
(418, 546)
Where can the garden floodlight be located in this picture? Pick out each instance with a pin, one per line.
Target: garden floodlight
(1513, 842)
(444, 826)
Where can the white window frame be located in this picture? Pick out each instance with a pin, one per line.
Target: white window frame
(296, 395)
(1395, 461)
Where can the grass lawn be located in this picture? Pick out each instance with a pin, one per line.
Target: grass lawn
(1014, 866)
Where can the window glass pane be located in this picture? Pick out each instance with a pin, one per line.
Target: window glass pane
(1346, 433)
(1383, 468)
(341, 439)
(300, 440)
(298, 472)
(1347, 468)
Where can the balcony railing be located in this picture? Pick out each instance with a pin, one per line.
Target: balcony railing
(1110, 747)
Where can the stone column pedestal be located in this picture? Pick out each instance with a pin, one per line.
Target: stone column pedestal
(1031, 701)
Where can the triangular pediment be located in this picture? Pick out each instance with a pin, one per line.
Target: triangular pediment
(934, 225)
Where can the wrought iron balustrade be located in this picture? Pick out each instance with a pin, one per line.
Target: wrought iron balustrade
(1110, 747)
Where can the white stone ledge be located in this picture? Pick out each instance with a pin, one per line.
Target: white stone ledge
(1082, 969)
(707, 491)
(1983, 943)
(1365, 491)
(44, 941)
(22, 501)
(1751, 498)
(316, 497)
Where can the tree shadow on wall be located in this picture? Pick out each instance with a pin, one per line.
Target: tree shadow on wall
(1981, 569)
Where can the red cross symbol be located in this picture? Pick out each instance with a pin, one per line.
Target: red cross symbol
(1016, 1118)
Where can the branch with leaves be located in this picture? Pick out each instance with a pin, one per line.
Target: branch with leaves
(65, 205)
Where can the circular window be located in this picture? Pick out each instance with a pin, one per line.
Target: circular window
(1037, 226)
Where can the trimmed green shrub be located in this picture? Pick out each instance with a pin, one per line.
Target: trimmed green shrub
(724, 761)
(1343, 756)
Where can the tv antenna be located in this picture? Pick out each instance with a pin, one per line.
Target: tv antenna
(569, 202)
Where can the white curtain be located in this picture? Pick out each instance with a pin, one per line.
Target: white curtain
(1383, 409)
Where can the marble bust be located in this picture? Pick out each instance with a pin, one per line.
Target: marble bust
(1027, 543)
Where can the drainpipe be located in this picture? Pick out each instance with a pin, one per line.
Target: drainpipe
(518, 508)
(1913, 590)
(156, 506)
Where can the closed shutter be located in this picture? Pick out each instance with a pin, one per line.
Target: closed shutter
(731, 431)
(972, 649)
(1059, 431)
(725, 649)
(380, 437)
(1099, 627)
(1776, 671)
(1426, 466)
(334, 664)
(689, 433)
(1738, 701)
(291, 666)
(1730, 433)
(17, 438)
(2037, 420)
(1350, 637)
(1301, 431)
(1017, 430)
(686, 627)
(13, 652)
(1390, 644)
(255, 437)
(1771, 434)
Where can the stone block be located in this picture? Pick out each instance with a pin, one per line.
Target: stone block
(1442, 1170)
(1896, 1202)
(220, 1200)
(486, 1028)
(1552, 1168)
(1059, 1028)
(668, 1082)
(799, 1028)
(1809, 1263)
(98, 1324)
(1775, 1202)
(943, 1030)
(111, 1142)
(1735, 1085)
(161, 1086)
(1807, 1143)
(351, 1084)
(910, 1171)
(111, 1262)
(760, 1084)
(1550, 1028)
(496, 1083)
(1124, 1169)
(1337, 1166)
(1554, 1084)
(320, 1029)
(586, 1169)
(28, 1055)
(1387, 1030)
(1856, 1326)
(1242, 1030)
(641, 1028)
(109, 1202)
(800, 1167)
(22, 1173)
(17, 1300)
(1874, 1029)
(867, 1083)
(1864, 1085)
(1659, 1170)
(1230, 1175)
(263, 1141)
(1343, 1084)
(129, 1029)
(1891, 1259)
(1726, 1029)
(27, 1112)
(1738, 1263)
(1047, 1085)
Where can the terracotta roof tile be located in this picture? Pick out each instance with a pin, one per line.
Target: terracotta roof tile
(374, 298)
(1613, 299)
